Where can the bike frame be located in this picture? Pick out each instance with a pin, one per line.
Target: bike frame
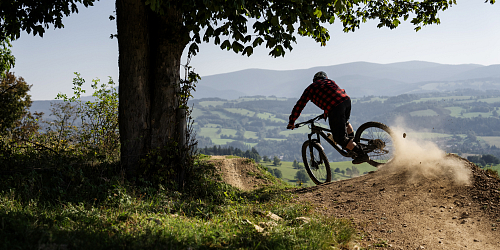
(319, 132)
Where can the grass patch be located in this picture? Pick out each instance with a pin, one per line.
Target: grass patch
(455, 111)
(289, 172)
(240, 111)
(222, 115)
(427, 112)
(494, 168)
(477, 114)
(271, 117)
(212, 131)
(221, 141)
(212, 103)
(491, 140)
(251, 135)
(196, 113)
(446, 98)
(210, 215)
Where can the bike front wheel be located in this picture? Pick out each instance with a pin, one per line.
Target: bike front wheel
(316, 163)
(376, 140)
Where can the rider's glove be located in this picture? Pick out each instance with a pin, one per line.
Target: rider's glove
(290, 126)
(324, 116)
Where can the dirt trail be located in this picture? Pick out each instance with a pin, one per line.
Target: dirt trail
(395, 210)
(238, 172)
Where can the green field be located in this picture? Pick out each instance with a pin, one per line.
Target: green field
(211, 131)
(212, 103)
(251, 135)
(476, 114)
(373, 99)
(455, 111)
(302, 130)
(221, 114)
(246, 99)
(289, 172)
(427, 112)
(491, 100)
(494, 167)
(240, 111)
(445, 98)
(221, 141)
(196, 113)
(271, 117)
(492, 140)
(274, 139)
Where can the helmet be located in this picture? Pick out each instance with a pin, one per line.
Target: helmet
(319, 75)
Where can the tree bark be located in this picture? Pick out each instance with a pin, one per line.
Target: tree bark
(150, 48)
(134, 89)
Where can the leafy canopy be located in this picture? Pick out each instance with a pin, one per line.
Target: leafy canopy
(276, 23)
(36, 16)
(7, 59)
(14, 100)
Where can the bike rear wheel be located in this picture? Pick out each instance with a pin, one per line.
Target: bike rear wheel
(316, 163)
(376, 140)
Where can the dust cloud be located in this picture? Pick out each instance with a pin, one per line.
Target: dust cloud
(423, 160)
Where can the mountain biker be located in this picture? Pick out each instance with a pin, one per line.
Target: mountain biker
(336, 104)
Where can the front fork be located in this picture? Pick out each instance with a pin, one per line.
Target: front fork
(314, 162)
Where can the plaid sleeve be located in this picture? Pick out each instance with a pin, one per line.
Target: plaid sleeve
(299, 106)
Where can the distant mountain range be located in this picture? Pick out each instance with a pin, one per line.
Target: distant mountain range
(358, 79)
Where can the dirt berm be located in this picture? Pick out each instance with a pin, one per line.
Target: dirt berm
(406, 207)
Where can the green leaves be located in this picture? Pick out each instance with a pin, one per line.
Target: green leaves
(14, 101)
(237, 47)
(34, 16)
(248, 51)
(193, 49)
(7, 59)
(226, 45)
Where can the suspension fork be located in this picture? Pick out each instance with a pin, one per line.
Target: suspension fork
(314, 161)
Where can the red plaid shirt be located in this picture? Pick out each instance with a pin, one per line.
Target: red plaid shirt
(325, 93)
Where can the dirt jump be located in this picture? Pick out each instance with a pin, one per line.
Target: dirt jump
(393, 208)
(422, 199)
(239, 172)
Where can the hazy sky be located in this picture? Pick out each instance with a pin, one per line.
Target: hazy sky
(469, 33)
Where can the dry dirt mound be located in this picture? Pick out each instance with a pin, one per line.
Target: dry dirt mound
(394, 209)
(239, 172)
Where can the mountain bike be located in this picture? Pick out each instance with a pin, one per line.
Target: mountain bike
(375, 139)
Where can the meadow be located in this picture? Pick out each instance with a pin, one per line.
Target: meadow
(289, 172)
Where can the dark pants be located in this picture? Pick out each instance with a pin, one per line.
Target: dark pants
(338, 117)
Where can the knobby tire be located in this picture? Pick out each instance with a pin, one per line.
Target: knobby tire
(376, 131)
(319, 173)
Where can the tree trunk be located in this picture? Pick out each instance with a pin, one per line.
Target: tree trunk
(134, 89)
(150, 47)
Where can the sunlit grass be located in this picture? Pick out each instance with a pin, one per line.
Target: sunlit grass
(215, 216)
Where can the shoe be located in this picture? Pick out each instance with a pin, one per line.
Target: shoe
(361, 155)
(360, 159)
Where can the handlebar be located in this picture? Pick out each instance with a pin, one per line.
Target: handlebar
(298, 125)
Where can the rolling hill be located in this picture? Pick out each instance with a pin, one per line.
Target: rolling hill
(358, 78)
